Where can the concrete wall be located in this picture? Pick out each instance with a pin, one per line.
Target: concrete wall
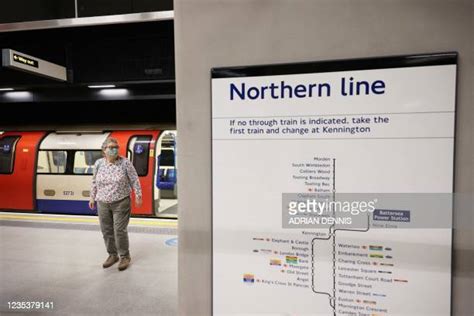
(212, 33)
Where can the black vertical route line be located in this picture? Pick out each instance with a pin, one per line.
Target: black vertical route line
(334, 239)
(334, 254)
(331, 234)
(334, 178)
(333, 299)
(312, 264)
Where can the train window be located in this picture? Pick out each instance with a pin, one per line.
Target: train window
(84, 161)
(139, 152)
(50, 161)
(167, 158)
(7, 153)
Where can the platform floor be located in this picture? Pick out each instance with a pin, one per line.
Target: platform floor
(59, 259)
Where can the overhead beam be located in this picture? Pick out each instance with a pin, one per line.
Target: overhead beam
(89, 21)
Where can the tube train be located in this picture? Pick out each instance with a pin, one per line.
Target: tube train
(51, 172)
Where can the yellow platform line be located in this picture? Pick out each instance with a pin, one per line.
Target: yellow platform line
(133, 221)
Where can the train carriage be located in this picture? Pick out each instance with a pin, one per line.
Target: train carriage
(64, 172)
(18, 155)
(52, 172)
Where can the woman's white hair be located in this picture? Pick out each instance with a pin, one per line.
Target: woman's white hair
(108, 141)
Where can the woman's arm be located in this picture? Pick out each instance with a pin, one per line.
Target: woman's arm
(93, 193)
(134, 181)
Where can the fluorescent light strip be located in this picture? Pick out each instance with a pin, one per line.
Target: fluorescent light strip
(18, 95)
(6, 89)
(114, 92)
(102, 86)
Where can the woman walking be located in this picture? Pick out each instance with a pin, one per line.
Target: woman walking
(112, 182)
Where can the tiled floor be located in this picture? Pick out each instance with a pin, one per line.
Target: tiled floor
(63, 265)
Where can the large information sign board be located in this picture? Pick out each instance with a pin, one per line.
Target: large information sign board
(331, 186)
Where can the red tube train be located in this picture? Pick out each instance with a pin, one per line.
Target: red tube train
(51, 172)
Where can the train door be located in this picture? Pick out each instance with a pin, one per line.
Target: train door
(166, 189)
(139, 147)
(17, 169)
(64, 171)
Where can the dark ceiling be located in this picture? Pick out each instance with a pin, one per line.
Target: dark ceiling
(112, 53)
(138, 57)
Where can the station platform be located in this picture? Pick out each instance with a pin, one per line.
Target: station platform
(58, 259)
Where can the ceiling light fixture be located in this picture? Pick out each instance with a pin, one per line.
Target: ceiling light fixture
(103, 86)
(21, 95)
(114, 92)
(6, 89)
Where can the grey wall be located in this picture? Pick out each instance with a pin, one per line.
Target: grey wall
(244, 32)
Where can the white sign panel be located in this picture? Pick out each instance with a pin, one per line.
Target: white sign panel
(332, 187)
